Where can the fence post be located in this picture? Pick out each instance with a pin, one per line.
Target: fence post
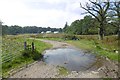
(33, 46)
(25, 45)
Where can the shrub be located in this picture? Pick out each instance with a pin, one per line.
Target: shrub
(70, 37)
(35, 55)
(26, 53)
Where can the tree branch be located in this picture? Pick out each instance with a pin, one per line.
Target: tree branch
(107, 7)
(90, 12)
(95, 3)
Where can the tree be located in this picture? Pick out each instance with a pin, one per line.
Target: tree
(4, 29)
(99, 10)
(65, 27)
(0, 28)
(83, 26)
(15, 30)
(0, 23)
(115, 15)
(87, 23)
(76, 27)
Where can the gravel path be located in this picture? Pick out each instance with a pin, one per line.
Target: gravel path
(38, 70)
(42, 70)
(57, 44)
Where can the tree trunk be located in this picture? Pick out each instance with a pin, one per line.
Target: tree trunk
(119, 51)
(101, 33)
(119, 27)
(119, 33)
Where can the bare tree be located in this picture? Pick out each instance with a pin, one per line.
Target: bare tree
(115, 9)
(99, 10)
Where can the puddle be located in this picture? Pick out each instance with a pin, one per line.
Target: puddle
(72, 59)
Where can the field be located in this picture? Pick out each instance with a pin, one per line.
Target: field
(12, 48)
(106, 48)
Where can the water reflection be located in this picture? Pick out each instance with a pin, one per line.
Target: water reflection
(72, 59)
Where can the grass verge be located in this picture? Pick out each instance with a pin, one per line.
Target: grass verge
(105, 48)
(97, 48)
(14, 45)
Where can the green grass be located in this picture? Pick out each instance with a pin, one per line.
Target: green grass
(14, 45)
(91, 43)
(83, 44)
(14, 65)
(54, 39)
(98, 48)
(39, 45)
(63, 71)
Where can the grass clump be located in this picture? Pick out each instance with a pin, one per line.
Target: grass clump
(35, 55)
(63, 71)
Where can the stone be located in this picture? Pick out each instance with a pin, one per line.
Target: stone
(94, 72)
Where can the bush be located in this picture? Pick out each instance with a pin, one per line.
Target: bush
(26, 53)
(35, 55)
(70, 37)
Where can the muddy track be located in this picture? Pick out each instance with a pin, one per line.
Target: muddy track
(42, 70)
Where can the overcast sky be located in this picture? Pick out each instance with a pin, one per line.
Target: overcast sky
(41, 13)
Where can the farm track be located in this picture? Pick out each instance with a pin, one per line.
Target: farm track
(42, 70)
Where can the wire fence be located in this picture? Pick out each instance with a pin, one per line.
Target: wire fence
(12, 47)
(9, 57)
(10, 51)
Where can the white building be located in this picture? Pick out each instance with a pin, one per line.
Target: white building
(56, 32)
(42, 32)
(48, 32)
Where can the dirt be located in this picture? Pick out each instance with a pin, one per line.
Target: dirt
(57, 44)
(42, 70)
